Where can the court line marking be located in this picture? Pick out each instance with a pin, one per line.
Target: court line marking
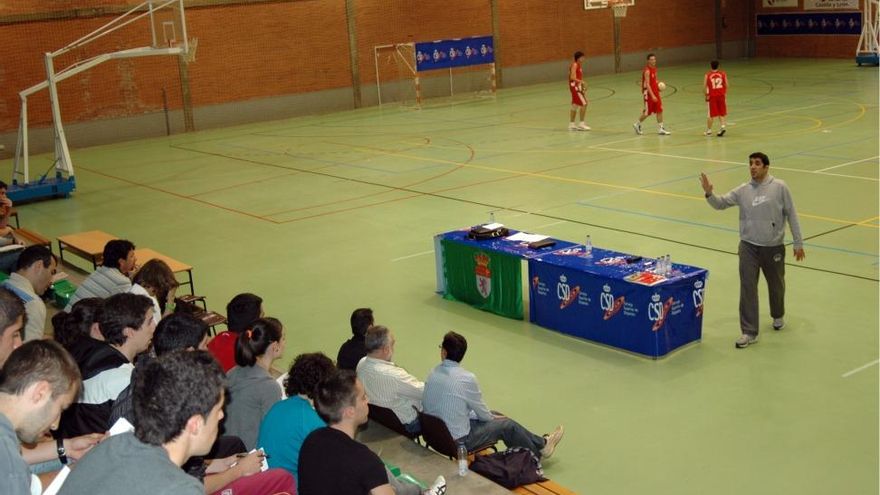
(412, 256)
(550, 224)
(847, 163)
(519, 173)
(860, 368)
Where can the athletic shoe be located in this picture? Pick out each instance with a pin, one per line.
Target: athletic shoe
(778, 323)
(721, 132)
(638, 127)
(438, 488)
(708, 133)
(583, 127)
(572, 127)
(663, 132)
(746, 340)
(551, 440)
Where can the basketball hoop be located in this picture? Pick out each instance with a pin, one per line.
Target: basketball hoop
(619, 9)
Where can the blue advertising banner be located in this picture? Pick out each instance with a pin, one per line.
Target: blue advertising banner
(818, 23)
(443, 54)
(593, 298)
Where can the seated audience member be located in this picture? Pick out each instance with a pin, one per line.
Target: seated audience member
(178, 403)
(453, 394)
(252, 390)
(7, 238)
(112, 276)
(224, 471)
(78, 329)
(289, 422)
(241, 312)
(353, 350)
(387, 384)
(38, 380)
(332, 461)
(126, 322)
(11, 323)
(156, 281)
(32, 276)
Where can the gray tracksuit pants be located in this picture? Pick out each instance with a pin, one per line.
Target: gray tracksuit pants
(771, 261)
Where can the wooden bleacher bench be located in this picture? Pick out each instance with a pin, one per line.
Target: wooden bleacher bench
(32, 238)
(548, 487)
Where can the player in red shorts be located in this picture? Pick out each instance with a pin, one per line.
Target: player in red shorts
(578, 92)
(651, 94)
(715, 84)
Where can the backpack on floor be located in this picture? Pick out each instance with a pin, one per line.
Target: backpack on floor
(511, 468)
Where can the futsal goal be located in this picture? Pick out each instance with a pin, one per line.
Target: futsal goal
(413, 74)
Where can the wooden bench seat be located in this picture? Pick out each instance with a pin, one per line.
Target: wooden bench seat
(548, 487)
(32, 238)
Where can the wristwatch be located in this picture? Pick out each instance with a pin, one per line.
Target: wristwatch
(708, 195)
(62, 454)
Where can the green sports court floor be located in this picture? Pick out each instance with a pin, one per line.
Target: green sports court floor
(323, 214)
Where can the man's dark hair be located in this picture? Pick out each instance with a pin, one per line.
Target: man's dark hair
(306, 372)
(242, 311)
(122, 311)
(714, 64)
(253, 342)
(116, 250)
(67, 328)
(33, 254)
(178, 331)
(578, 55)
(3, 185)
(761, 156)
(650, 55)
(11, 308)
(334, 393)
(39, 360)
(455, 346)
(171, 389)
(361, 320)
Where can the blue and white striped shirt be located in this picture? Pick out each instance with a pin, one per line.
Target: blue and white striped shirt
(453, 395)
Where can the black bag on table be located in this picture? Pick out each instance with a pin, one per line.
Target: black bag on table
(511, 468)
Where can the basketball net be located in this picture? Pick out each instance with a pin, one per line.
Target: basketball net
(619, 9)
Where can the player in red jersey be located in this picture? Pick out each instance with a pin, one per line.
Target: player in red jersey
(578, 92)
(715, 85)
(651, 95)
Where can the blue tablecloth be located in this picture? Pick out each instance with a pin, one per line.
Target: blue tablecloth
(614, 299)
(609, 297)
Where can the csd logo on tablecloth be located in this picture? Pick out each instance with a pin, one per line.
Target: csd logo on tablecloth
(658, 311)
(699, 292)
(565, 293)
(608, 303)
(483, 274)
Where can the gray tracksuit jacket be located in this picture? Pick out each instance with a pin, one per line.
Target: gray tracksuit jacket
(764, 208)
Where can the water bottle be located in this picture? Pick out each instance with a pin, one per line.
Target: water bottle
(462, 460)
(667, 265)
(491, 217)
(659, 268)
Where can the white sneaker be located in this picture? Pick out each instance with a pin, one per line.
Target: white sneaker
(572, 127)
(663, 132)
(746, 340)
(551, 441)
(638, 128)
(583, 127)
(438, 488)
(708, 133)
(778, 323)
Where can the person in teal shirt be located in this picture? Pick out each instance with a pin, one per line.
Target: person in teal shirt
(289, 422)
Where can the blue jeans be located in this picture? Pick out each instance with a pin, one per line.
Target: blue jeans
(505, 429)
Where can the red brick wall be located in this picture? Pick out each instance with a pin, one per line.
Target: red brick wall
(259, 50)
(802, 46)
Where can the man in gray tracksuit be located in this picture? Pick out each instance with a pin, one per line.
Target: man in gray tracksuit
(765, 205)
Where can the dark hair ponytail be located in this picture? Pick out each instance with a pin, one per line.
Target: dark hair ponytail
(67, 328)
(253, 342)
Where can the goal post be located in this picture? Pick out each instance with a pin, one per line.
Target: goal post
(412, 73)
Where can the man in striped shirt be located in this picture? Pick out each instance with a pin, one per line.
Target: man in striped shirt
(387, 384)
(453, 394)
